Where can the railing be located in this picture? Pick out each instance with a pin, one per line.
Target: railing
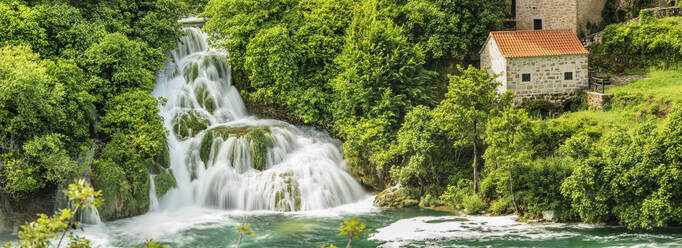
(595, 82)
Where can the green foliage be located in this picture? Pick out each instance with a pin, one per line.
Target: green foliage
(148, 243)
(88, 55)
(164, 181)
(28, 102)
(455, 194)
(118, 64)
(243, 229)
(501, 206)
(42, 232)
(446, 29)
(473, 204)
(189, 123)
(353, 229)
(470, 102)
(538, 188)
(633, 178)
(651, 43)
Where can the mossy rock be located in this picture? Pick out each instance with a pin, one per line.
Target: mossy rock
(175, 71)
(204, 98)
(189, 123)
(217, 62)
(119, 200)
(395, 198)
(291, 191)
(191, 72)
(259, 137)
(164, 182)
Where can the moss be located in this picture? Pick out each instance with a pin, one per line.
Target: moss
(164, 159)
(191, 72)
(291, 191)
(259, 148)
(204, 98)
(189, 123)
(394, 198)
(164, 182)
(209, 105)
(259, 137)
(205, 146)
(174, 72)
(111, 180)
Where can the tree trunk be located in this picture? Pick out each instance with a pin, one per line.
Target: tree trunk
(348, 245)
(511, 189)
(475, 165)
(240, 239)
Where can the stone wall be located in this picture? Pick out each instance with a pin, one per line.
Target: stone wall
(547, 76)
(589, 11)
(555, 14)
(492, 58)
(597, 100)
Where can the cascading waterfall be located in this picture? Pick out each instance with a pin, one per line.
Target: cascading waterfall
(222, 157)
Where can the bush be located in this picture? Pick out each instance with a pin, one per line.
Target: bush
(429, 201)
(635, 47)
(454, 195)
(500, 206)
(473, 204)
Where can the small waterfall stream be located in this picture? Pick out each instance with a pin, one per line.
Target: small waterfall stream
(222, 157)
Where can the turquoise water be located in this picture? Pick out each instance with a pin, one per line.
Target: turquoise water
(201, 227)
(390, 228)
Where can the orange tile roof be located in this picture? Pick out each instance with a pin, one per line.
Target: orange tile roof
(532, 43)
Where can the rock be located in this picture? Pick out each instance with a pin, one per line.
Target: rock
(164, 181)
(189, 123)
(548, 215)
(394, 197)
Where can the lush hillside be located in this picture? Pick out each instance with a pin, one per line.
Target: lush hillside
(75, 78)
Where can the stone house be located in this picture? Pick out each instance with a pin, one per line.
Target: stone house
(556, 14)
(537, 64)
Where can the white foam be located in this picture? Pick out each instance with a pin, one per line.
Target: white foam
(406, 231)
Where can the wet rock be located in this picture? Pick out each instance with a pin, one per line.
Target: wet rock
(189, 123)
(394, 197)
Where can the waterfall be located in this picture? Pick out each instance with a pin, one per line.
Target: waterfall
(153, 200)
(222, 157)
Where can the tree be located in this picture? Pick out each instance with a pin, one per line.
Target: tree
(508, 146)
(471, 101)
(41, 233)
(633, 177)
(353, 229)
(117, 64)
(243, 229)
(446, 29)
(381, 78)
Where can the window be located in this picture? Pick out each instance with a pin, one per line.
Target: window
(568, 76)
(525, 77)
(537, 24)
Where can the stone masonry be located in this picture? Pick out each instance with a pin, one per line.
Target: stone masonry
(555, 14)
(547, 76)
(558, 14)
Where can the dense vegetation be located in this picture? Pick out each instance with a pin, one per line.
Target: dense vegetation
(374, 74)
(75, 78)
(354, 67)
(631, 47)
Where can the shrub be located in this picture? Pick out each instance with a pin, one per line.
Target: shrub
(473, 204)
(454, 195)
(500, 206)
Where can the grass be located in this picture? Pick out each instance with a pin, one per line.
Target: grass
(665, 86)
(635, 102)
